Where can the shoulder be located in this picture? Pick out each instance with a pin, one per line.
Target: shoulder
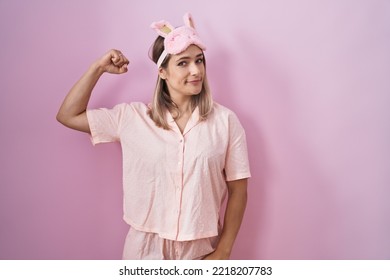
(220, 108)
(138, 107)
(133, 105)
(226, 117)
(221, 111)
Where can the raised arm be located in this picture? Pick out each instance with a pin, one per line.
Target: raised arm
(72, 112)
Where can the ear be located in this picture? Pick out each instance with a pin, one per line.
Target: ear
(188, 21)
(162, 73)
(163, 28)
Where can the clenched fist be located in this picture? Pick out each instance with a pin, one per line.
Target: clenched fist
(113, 62)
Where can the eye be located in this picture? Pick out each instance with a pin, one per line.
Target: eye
(199, 61)
(182, 63)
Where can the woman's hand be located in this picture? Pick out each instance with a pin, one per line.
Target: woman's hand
(113, 62)
(217, 255)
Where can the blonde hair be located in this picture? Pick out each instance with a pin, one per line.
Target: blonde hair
(162, 102)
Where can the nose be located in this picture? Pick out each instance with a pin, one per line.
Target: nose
(194, 69)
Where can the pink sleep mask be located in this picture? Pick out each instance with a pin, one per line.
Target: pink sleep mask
(177, 39)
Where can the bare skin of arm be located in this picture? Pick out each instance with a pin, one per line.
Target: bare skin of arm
(72, 112)
(235, 209)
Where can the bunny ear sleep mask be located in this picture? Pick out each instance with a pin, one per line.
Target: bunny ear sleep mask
(177, 39)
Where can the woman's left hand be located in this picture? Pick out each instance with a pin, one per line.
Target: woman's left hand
(216, 255)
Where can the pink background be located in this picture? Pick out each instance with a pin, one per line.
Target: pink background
(308, 79)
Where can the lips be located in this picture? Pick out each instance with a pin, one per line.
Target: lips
(194, 81)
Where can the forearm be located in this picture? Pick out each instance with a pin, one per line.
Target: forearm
(76, 101)
(234, 213)
(72, 112)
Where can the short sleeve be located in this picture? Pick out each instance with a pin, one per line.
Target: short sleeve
(237, 163)
(105, 123)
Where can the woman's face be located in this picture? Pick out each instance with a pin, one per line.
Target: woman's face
(185, 72)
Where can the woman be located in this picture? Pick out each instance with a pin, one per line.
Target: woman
(181, 154)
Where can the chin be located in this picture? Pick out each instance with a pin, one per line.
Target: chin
(196, 92)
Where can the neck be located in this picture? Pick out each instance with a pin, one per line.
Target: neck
(183, 103)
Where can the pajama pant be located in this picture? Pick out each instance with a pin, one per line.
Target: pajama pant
(141, 245)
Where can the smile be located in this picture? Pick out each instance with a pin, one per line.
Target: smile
(194, 81)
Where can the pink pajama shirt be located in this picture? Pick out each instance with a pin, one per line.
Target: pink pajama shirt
(174, 183)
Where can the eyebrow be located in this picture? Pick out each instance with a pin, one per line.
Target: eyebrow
(188, 57)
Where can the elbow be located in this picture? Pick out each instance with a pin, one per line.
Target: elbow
(64, 119)
(60, 118)
(78, 122)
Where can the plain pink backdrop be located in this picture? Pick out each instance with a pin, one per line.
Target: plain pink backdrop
(309, 81)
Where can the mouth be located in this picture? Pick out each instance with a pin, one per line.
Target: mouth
(194, 82)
